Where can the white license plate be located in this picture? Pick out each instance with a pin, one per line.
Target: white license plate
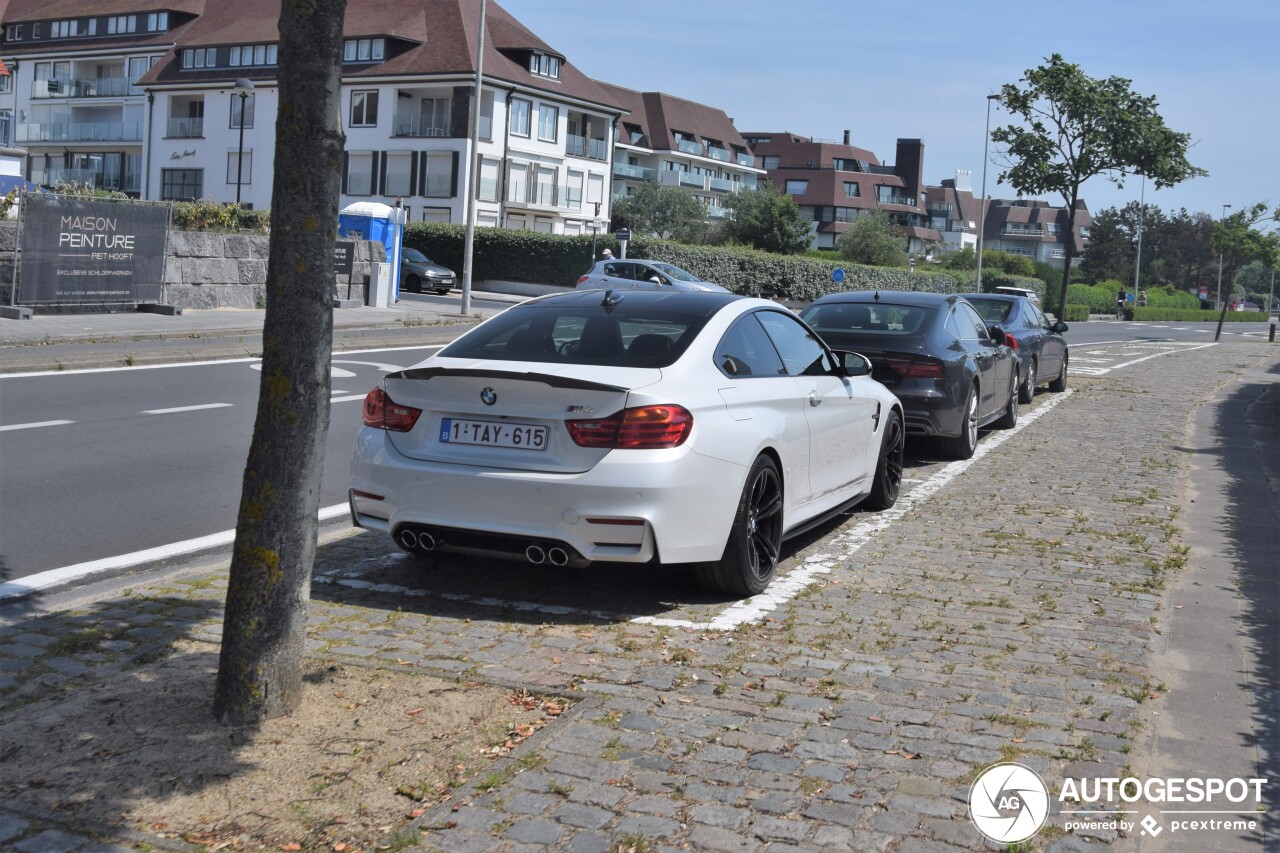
(492, 434)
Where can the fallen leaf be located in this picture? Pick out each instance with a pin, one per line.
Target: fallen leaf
(417, 813)
(893, 752)
(292, 845)
(876, 719)
(1019, 740)
(415, 712)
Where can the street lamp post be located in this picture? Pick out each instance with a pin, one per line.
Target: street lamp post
(1221, 219)
(982, 201)
(469, 240)
(1137, 261)
(243, 87)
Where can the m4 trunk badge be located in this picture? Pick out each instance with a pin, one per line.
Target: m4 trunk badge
(488, 396)
(581, 410)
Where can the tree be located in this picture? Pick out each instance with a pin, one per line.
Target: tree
(874, 239)
(671, 213)
(1252, 281)
(264, 628)
(1079, 127)
(1113, 241)
(1235, 237)
(769, 220)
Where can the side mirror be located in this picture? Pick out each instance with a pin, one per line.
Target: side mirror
(852, 363)
(655, 279)
(1059, 327)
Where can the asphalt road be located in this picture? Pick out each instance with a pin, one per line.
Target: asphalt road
(108, 463)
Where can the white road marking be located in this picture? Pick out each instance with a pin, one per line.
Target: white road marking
(34, 425)
(348, 398)
(786, 588)
(177, 409)
(335, 372)
(42, 580)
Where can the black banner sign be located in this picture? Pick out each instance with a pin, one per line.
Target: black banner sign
(91, 251)
(343, 257)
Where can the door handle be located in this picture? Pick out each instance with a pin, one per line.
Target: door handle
(815, 399)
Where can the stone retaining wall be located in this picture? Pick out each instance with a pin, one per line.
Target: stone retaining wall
(206, 269)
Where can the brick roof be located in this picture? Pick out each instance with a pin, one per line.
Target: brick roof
(659, 115)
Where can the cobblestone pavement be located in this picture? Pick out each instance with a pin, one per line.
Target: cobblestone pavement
(1009, 615)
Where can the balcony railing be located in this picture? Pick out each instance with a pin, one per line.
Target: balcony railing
(898, 199)
(96, 87)
(132, 181)
(585, 146)
(940, 205)
(688, 179)
(721, 184)
(718, 154)
(543, 194)
(688, 146)
(185, 128)
(744, 160)
(719, 212)
(81, 131)
(417, 127)
(635, 173)
(1008, 231)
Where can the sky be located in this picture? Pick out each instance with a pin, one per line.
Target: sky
(922, 70)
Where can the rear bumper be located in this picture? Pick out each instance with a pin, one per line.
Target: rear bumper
(928, 410)
(630, 507)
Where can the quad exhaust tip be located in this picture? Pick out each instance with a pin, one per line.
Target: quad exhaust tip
(558, 557)
(534, 554)
(423, 541)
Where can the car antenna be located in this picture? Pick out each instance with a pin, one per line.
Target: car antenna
(876, 297)
(610, 301)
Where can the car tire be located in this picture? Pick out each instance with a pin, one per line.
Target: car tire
(1009, 419)
(963, 445)
(1060, 384)
(413, 284)
(755, 539)
(888, 477)
(443, 291)
(1027, 390)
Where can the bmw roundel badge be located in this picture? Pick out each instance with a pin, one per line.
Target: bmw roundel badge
(488, 396)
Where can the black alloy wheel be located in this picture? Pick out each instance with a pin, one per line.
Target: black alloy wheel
(1027, 390)
(1060, 384)
(413, 284)
(963, 445)
(755, 539)
(1009, 419)
(888, 478)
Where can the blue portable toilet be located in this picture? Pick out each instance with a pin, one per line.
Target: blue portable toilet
(382, 223)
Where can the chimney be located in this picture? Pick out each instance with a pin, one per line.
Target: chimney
(964, 180)
(846, 137)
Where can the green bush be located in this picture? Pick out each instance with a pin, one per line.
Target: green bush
(1194, 315)
(1101, 297)
(505, 255)
(1169, 297)
(215, 216)
(1076, 313)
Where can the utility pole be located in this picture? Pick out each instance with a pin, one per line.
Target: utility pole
(472, 168)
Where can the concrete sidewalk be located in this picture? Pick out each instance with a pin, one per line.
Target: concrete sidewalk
(127, 338)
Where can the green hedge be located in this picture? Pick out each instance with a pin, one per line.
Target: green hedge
(527, 256)
(1076, 313)
(1184, 315)
(215, 216)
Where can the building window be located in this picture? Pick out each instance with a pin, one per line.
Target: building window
(548, 118)
(246, 173)
(437, 171)
(236, 102)
(261, 54)
(200, 57)
(364, 108)
(544, 65)
(121, 24)
(487, 186)
(770, 161)
(181, 184)
(486, 115)
(851, 189)
(797, 187)
(157, 22)
(6, 83)
(520, 111)
(573, 185)
(360, 173)
(364, 50)
(13, 32)
(399, 173)
(518, 183)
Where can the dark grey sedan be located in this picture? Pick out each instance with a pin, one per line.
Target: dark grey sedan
(419, 273)
(1042, 351)
(951, 371)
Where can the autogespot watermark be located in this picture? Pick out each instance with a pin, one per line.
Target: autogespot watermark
(1009, 803)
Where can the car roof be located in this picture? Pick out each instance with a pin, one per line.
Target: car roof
(894, 297)
(705, 303)
(999, 297)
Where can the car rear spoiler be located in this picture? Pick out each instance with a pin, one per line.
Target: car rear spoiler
(550, 379)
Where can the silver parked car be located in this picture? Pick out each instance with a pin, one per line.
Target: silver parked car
(615, 274)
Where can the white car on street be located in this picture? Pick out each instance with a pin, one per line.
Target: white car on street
(627, 426)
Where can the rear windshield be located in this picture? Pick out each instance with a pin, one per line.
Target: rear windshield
(880, 318)
(584, 334)
(993, 310)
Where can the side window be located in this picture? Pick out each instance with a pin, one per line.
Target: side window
(801, 353)
(979, 328)
(745, 350)
(618, 270)
(1040, 320)
(644, 273)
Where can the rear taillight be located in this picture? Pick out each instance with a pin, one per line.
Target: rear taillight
(1011, 342)
(916, 368)
(641, 428)
(381, 412)
(582, 279)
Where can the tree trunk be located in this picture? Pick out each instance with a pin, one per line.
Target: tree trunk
(264, 628)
